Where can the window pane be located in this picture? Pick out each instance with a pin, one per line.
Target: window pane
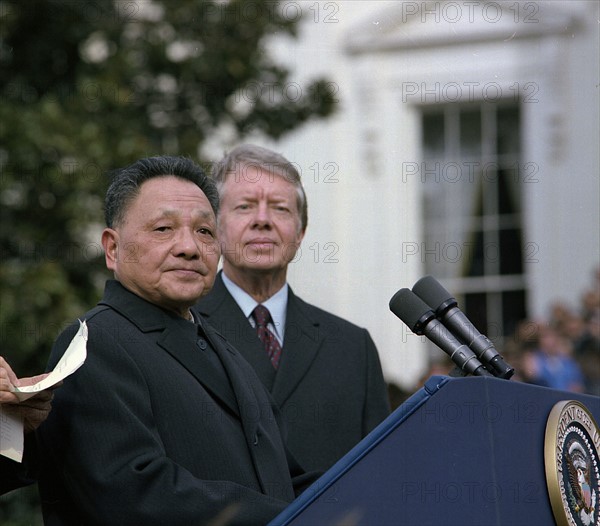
(508, 133)
(509, 200)
(475, 307)
(470, 133)
(433, 135)
(513, 309)
(476, 266)
(511, 257)
(506, 200)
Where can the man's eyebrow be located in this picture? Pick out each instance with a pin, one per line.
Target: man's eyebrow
(246, 196)
(173, 212)
(205, 214)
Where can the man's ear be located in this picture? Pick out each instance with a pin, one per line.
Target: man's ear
(302, 233)
(110, 243)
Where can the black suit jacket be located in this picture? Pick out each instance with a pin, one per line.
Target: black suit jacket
(164, 424)
(329, 386)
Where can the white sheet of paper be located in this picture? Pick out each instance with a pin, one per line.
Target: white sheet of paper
(11, 424)
(11, 434)
(71, 360)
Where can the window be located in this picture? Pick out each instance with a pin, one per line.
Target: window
(472, 205)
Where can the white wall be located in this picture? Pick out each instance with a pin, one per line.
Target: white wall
(562, 138)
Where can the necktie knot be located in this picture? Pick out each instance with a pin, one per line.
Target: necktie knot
(262, 317)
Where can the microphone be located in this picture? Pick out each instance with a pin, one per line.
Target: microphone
(419, 317)
(447, 311)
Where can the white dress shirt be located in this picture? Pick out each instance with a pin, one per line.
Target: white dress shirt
(276, 304)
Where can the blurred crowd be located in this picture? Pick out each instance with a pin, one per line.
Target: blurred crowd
(563, 351)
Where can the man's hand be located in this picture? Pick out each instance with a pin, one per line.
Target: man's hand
(8, 379)
(33, 410)
(36, 409)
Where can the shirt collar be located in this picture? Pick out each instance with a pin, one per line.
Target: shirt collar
(276, 304)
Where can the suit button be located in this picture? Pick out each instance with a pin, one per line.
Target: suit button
(255, 441)
(202, 344)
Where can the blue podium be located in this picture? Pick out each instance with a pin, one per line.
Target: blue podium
(459, 452)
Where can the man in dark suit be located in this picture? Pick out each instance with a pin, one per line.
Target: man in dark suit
(165, 423)
(33, 412)
(323, 372)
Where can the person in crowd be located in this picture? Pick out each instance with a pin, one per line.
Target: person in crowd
(322, 371)
(587, 352)
(551, 362)
(165, 422)
(33, 412)
(583, 333)
(587, 345)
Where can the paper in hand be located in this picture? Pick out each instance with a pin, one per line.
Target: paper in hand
(71, 360)
(11, 422)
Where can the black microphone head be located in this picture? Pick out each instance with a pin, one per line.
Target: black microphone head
(411, 310)
(434, 294)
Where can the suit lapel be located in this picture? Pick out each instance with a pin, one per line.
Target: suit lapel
(223, 313)
(256, 412)
(303, 338)
(183, 342)
(244, 393)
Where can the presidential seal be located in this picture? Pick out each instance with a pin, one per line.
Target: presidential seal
(572, 459)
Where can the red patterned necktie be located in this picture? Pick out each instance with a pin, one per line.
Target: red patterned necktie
(262, 316)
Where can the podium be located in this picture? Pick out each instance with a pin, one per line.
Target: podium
(459, 452)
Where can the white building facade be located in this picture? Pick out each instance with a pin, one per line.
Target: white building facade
(465, 146)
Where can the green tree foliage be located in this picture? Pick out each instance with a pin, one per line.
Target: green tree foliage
(87, 86)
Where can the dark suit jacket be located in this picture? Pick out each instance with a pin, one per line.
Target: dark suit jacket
(329, 385)
(163, 425)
